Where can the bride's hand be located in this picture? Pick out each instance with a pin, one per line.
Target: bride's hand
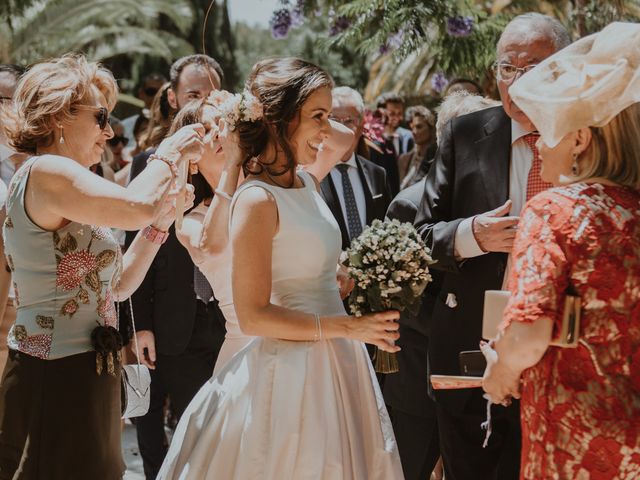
(379, 329)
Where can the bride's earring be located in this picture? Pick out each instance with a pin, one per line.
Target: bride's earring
(61, 135)
(575, 169)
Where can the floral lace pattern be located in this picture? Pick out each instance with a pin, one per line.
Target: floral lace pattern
(79, 270)
(576, 422)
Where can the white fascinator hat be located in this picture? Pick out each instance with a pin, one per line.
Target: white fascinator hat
(583, 85)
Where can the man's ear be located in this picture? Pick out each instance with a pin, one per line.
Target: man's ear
(172, 99)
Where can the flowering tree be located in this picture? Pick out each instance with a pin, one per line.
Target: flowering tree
(417, 45)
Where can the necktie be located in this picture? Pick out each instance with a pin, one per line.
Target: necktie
(201, 285)
(535, 184)
(353, 217)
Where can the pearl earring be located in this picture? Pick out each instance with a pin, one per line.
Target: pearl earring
(61, 135)
(575, 169)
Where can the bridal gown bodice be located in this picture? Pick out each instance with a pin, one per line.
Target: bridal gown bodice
(277, 409)
(305, 253)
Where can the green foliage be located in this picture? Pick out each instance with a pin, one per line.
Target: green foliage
(345, 65)
(415, 31)
(99, 28)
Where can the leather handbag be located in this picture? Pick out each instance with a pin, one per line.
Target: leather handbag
(136, 383)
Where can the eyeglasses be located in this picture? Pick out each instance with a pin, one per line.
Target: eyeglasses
(116, 139)
(102, 114)
(507, 72)
(150, 91)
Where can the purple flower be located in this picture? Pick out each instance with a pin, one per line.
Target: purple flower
(297, 14)
(439, 82)
(393, 42)
(459, 26)
(339, 25)
(280, 23)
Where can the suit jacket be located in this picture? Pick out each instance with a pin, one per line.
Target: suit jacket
(165, 302)
(376, 194)
(407, 389)
(470, 176)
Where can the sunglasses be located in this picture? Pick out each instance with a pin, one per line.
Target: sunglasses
(116, 139)
(150, 91)
(101, 114)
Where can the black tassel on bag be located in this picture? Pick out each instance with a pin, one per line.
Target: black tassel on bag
(107, 342)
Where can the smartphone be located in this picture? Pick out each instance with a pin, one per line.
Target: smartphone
(472, 363)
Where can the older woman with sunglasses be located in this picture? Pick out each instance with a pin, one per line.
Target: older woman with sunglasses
(60, 391)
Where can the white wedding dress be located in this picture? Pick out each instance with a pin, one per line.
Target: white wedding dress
(284, 410)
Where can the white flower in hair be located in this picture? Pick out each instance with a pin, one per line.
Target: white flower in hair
(236, 108)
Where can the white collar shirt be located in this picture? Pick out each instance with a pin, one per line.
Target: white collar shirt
(358, 190)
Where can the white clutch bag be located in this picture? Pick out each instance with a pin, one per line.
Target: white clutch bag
(136, 394)
(136, 383)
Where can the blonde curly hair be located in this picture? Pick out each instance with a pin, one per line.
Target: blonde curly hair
(48, 93)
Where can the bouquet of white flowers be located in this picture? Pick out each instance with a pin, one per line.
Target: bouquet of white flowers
(389, 263)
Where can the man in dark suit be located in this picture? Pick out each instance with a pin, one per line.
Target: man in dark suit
(413, 412)
(481, 173)
(356, 189)
(407, 391)
(179, 326)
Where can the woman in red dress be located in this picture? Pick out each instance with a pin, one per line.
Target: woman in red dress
(580, 407)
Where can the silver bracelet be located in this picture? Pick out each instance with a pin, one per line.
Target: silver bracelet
(223, 194)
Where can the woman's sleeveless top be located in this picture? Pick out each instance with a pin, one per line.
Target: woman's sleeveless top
(62, 279)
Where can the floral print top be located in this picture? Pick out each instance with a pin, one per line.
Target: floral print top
(580, 407)
(62, 279)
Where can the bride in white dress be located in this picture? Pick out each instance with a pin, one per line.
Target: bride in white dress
(301, 400)
(205, 230)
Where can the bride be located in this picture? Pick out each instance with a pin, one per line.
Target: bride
(205, 230)
(301, 400)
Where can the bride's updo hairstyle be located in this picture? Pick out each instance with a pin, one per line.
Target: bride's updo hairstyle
(282, 85)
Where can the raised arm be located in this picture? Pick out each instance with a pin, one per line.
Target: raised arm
(334, 147)
(254, 225)
(60, 188)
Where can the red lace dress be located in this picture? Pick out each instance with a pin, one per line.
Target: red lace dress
(580, 408)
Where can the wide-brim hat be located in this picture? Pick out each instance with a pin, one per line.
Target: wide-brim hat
(583, 85)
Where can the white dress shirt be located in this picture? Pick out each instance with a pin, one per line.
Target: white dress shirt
(358, 190)
(465, 244)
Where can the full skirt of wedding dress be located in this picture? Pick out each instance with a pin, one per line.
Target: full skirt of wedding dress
(283, 410)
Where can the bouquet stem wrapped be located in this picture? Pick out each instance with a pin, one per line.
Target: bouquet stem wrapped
(389, 263)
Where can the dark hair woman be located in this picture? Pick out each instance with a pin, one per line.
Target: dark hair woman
(301, 397)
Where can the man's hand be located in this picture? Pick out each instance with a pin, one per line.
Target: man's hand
(146, 341)
(494, 230)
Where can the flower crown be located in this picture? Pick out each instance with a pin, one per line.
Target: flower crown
(236, 107)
